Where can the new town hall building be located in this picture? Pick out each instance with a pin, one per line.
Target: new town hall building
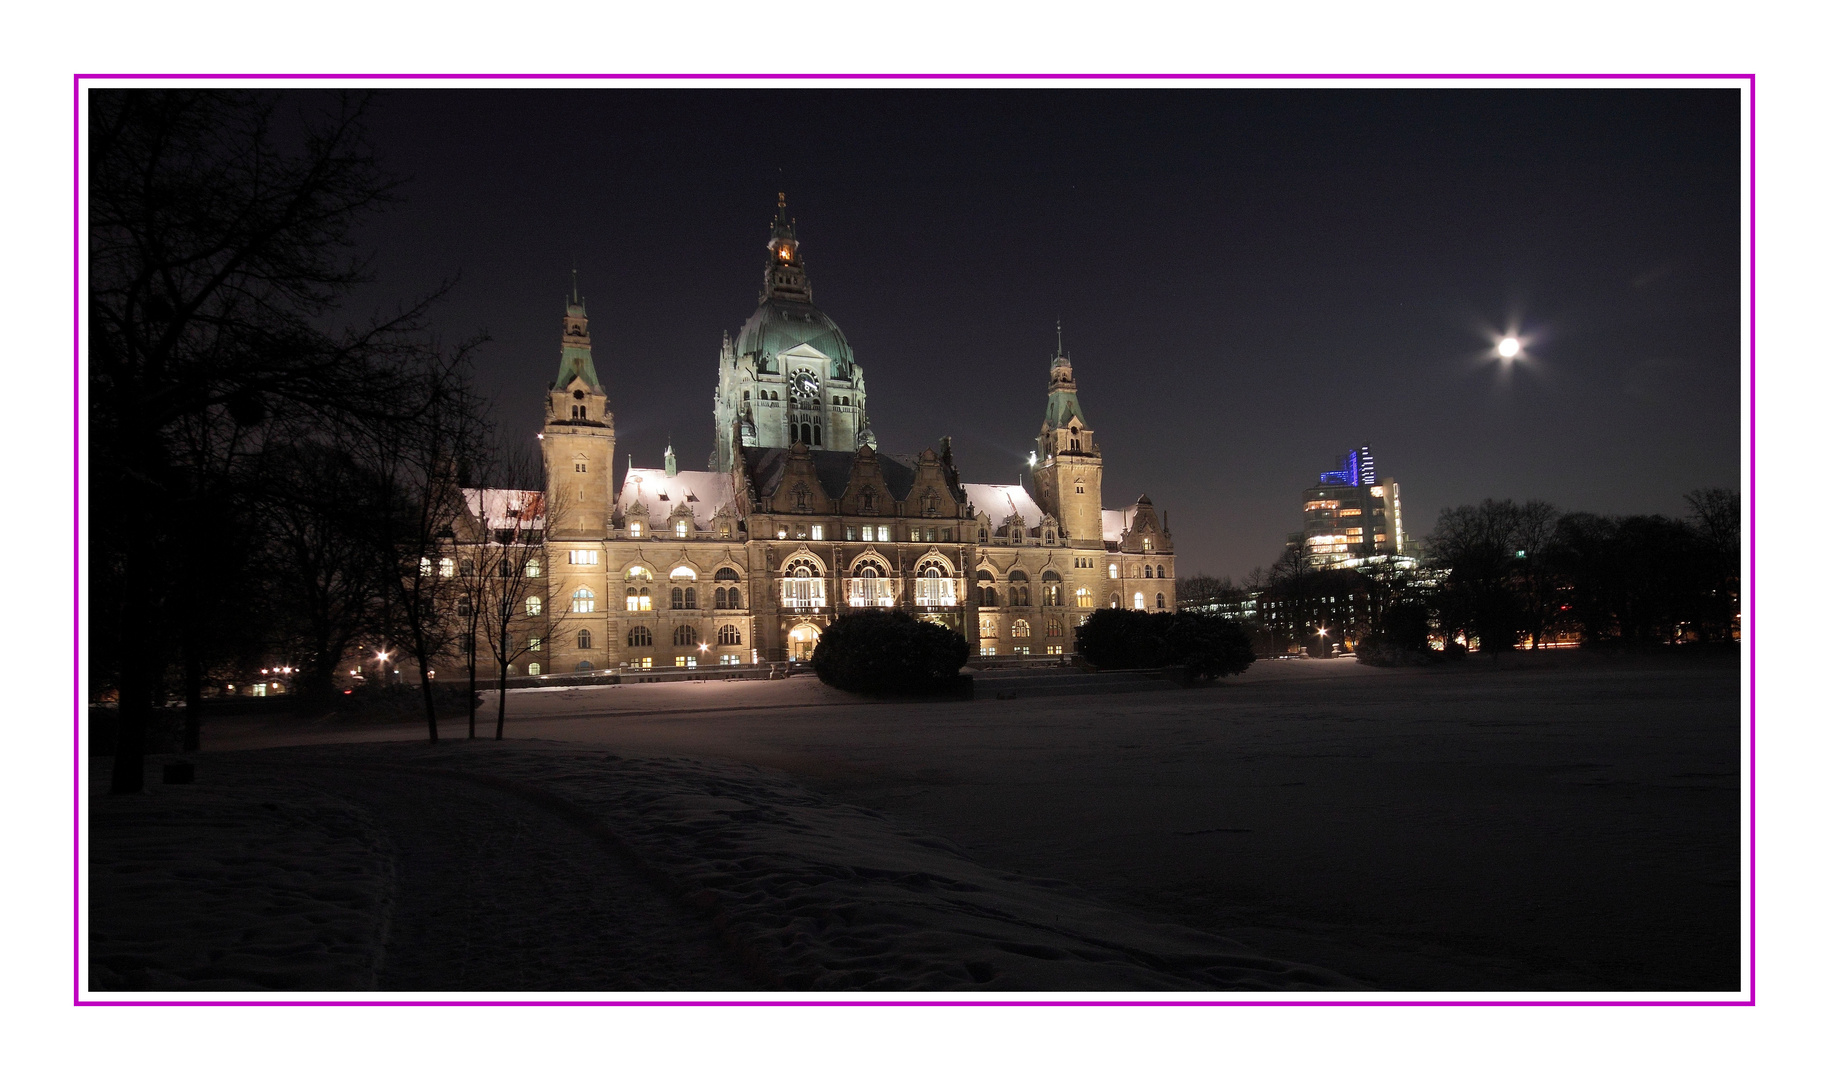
(799, 517)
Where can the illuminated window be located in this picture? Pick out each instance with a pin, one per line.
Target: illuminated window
(583, 558)
(640, 638)
(1019, 628)
(987, 626)
(1082, 598)
(635, 528)
(933, 589)
(1056, 628)
(819, 532)
(533, 605)
(682, 528)
(1147, 544)
(533, 568)
(1112, 571)
(584, 600)
(447, 567)
(533, 669)
(533, 644)
(1377, 493)
(870, 587)
(802, 585)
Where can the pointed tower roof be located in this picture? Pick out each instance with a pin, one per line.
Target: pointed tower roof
(575, 344)
(786, 276)
(1063, 392)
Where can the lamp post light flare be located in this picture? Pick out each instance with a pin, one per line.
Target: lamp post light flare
(1509, 348)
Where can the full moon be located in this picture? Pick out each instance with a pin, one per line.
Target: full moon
(1508, 348)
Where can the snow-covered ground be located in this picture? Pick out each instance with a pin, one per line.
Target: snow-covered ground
(1559, 822)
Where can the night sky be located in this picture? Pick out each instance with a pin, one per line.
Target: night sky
(1251, 281)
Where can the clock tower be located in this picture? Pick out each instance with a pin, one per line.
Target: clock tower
(789, 377)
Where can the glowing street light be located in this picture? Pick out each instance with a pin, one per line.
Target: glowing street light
(1509, 348)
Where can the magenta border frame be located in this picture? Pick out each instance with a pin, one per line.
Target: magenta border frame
(1749, 606)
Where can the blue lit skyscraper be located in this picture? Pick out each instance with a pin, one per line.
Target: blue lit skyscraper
(1350, 515)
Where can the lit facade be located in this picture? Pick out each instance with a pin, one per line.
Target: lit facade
(1351, 516)
(799, 517)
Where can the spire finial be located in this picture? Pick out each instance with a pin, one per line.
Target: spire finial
(1058, 347)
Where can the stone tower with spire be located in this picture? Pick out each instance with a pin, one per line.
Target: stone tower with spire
(1069, 470)
(579, 440)
(789, 376)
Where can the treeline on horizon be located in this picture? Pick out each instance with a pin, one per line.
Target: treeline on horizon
(263, 485)
(1509, 574)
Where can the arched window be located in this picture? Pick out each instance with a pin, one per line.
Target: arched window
(1051, 589)
(725, 573)
(1160, 605)
(1112, 571)
(1136, 600)
(802, 585)
(685, 635)
(1082, 598)
(679, 599)
(584, 600)
(1114, 600)
(816, 435)
(584, 639)
(933, 588)
(729, 635)
(987, 627)
(1148, 570)
(533, 605)
(639, 574)
(870, 587)
(692, 598)
(1159, 571)
(533, 567)
(533, 669)
(1019, 628)
(640, 637)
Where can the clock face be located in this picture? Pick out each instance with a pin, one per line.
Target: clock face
(804, 385)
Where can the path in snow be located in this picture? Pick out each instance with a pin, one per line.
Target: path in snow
(497, 893)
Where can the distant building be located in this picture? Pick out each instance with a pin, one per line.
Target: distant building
(1351, 517)
(1320, 613)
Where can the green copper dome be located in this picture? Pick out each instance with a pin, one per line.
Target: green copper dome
(779, 325)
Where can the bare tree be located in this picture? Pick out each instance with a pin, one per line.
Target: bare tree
(217, 249)
(521, 615)
(420, 467)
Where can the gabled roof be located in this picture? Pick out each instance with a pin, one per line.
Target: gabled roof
(833, 468)
(704, 493)
(498, 508)
(1002, 500)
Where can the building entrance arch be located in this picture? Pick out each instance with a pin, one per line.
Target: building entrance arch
(801, 641)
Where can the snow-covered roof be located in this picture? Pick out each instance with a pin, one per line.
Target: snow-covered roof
(1002, 500)
(499, 508)
(703, 492)
(1114, 522)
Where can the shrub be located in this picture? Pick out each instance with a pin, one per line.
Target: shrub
(1207, 645)
(888, 652)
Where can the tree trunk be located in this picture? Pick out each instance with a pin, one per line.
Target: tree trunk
(501, 700)
(470, 701)
(193, 699)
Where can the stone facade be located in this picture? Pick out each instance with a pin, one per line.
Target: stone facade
(800, 518)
